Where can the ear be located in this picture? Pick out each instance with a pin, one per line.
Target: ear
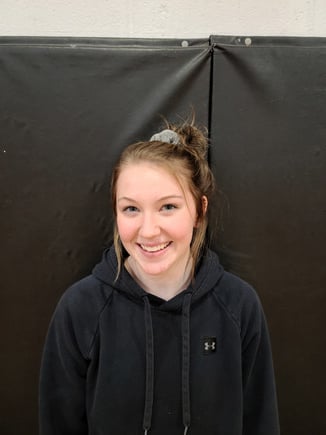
(204, 202)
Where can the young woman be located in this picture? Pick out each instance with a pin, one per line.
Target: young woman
(159, 339)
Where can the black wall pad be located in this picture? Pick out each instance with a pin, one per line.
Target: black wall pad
(67, 108)
(268, 134)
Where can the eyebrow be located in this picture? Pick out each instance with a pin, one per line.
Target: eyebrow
(164, 198)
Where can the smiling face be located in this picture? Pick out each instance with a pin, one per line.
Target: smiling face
(155, 219)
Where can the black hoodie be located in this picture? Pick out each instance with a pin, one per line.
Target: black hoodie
(119, 361)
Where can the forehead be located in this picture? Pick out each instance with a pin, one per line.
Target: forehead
(146, 177)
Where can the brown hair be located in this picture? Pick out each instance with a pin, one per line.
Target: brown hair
(187, 161)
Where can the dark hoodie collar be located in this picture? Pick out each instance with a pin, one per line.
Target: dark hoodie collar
(208, 273)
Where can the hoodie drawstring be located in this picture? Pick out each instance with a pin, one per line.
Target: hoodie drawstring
(185, 376)
(186, 361)
(149, 391)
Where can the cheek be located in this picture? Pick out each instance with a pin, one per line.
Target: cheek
(183, 230)
(126, 228)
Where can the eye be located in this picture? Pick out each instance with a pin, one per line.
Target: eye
(130, 209)
(168, 207)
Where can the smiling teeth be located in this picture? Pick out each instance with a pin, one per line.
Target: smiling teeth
(154, 248)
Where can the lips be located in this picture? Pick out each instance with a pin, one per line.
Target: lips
(156, 248)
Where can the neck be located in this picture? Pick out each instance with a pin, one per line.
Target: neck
(165, 287)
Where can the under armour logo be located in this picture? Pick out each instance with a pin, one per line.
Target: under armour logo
(209, 345)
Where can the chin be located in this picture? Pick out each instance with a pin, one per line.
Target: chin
(154, 271)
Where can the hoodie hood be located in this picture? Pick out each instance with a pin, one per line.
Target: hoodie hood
(206, 277)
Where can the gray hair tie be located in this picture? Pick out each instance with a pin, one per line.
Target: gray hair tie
(168, 136)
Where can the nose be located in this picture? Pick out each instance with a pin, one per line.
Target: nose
(149, 227)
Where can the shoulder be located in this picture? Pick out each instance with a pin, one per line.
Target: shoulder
(79, 309)
(239, 299)
(85, 294)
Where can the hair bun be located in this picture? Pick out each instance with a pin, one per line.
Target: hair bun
(193, 139)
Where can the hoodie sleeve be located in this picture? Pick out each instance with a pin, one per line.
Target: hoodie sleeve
(64, 365)
(260, 416)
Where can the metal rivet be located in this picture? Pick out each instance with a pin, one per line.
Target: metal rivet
(248, 41)
(184, 44)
